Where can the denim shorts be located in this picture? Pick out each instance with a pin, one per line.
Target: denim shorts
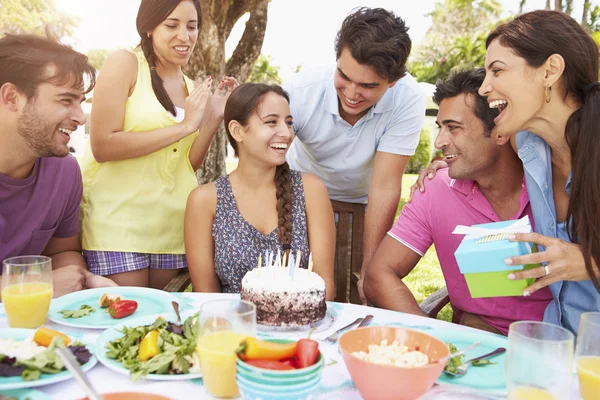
(116, 262)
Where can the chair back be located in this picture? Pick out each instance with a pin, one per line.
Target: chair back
(349, 229)
(180, 282)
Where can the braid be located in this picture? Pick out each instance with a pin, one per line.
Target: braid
(284, 203)
(157, 82)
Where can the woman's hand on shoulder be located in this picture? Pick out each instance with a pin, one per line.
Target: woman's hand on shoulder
(428, 172)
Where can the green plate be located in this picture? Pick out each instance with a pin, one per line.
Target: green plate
(113, 333)
(488, 377)
(16, 382)
(24, 394)
(150, 302)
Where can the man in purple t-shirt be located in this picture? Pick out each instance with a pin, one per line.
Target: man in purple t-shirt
(42, 85)
(483, 183)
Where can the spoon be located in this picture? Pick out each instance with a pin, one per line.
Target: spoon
(462, 369)
(73, 366)
(176, 308)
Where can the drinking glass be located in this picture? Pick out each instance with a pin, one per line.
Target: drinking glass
(27, 290)
(539, 361)
(223, 326)
(587, 355)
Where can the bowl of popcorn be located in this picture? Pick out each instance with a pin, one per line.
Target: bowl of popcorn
(391, 362)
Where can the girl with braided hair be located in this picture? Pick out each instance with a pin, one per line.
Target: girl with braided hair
(151, 128)
(262, 205)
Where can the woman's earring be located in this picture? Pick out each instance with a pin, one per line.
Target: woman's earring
(148, 34)
(548, 94)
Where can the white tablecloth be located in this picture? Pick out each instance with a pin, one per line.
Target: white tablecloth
(336, 382)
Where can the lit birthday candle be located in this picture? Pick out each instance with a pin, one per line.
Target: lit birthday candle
(310, 264)
(270, 259)
(283, 264)
(259, 262)
(291, 266)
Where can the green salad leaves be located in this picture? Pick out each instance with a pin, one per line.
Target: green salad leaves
(83, 311)
(455, 362)
(46, 362)
(177, 344)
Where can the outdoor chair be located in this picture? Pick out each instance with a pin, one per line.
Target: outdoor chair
(181, 281)
(349, 229)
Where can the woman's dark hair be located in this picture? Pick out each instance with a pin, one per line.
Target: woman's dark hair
(242, 103)
(377, 38)
(535, 36)
(468, 83)
(151, 14)
(24, 60)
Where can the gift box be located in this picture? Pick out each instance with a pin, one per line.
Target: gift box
(481, 254)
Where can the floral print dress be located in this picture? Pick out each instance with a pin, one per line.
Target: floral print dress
(238, 243)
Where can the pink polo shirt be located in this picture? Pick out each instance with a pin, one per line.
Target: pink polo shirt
(431, 218)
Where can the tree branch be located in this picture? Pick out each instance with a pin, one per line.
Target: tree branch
(248, 49)
(237, 9)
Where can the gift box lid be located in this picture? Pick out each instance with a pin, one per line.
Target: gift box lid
(479, 252)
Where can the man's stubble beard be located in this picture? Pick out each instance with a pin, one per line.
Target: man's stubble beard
(39, 134)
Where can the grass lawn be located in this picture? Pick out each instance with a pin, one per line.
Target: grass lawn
(427, 277)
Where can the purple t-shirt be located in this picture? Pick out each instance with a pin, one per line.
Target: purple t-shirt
(431, 218)
(39, 207)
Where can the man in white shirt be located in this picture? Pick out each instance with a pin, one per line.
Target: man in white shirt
(357, 123)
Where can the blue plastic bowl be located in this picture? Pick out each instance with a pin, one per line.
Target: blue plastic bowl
(267, 392)
(289, 388)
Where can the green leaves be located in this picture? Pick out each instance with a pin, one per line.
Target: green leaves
(480, 363)
(456, 38)
(175, 350)
(83, 311)
(454, 362)
(46, 362)
(31, 375)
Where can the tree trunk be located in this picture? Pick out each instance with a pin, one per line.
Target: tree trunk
(569, 7)
(548, 7)
(218, 19)
(558, 5)
(521, 6)
(586, 14)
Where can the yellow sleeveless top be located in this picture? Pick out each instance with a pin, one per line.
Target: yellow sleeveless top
(138, 205)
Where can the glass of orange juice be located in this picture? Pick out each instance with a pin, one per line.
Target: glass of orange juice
(223, 326)
(539, 361)
(27, 290)
(587, 355)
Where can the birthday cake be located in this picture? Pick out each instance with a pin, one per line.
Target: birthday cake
(283, 297)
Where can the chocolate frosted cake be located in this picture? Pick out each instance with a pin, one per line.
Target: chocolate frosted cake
(283, 301)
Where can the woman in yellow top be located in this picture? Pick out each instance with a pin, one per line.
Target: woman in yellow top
(150, 130)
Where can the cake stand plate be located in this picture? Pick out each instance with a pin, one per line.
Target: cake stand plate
(319, 326)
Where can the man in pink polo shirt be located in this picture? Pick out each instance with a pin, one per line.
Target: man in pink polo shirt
(483, 183)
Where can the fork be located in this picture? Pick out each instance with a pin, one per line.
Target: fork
(462, 369)
(334, 336)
